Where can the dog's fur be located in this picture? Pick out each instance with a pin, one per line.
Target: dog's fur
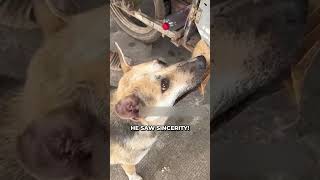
(253, 44)
(151, 84)
(55, 126)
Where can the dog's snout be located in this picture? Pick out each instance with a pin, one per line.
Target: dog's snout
(201, 62)
(196, 66)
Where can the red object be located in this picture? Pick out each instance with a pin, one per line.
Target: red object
(165, 26)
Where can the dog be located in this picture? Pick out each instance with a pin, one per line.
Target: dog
(150, 84)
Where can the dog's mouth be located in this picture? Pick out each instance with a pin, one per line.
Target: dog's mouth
(198, 66)
(153, 113)
(186, 92)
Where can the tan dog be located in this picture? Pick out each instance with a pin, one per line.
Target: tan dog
(56, 126)
(151, 84)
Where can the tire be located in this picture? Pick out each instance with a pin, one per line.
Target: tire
(144, 34)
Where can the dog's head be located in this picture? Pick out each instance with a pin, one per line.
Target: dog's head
(155, 84)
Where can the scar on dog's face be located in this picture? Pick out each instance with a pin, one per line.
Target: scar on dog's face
(155, 83)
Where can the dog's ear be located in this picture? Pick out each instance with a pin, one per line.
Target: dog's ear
(128, 107)
(124, 64)
(49, 21)
(62, 145)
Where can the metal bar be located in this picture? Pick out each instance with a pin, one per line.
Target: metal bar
(155, 24)
(189, 23)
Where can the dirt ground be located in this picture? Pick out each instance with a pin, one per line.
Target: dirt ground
(270, 131)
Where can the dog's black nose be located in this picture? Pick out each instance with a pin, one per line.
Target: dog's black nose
(201, 62)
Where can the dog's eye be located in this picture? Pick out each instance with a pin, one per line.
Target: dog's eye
(160, 62)
(164, 84)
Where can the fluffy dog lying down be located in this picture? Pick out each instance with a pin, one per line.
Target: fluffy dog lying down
(253, 43)
(55, 125)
